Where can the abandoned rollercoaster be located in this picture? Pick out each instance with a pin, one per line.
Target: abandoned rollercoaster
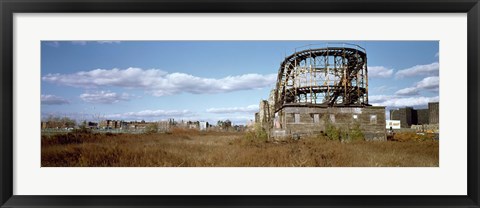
(319, 86)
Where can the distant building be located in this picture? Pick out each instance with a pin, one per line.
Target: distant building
(433, 110)
(421, 116)
(404, 115)
(203, 125)
(409, 116)
(264, 114)
(109, 124)
(92, 125)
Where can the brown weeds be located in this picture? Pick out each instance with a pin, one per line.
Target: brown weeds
(191, 148)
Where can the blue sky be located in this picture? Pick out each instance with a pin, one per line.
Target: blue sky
(208, 80)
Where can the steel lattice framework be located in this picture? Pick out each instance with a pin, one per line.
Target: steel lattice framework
(328, 76)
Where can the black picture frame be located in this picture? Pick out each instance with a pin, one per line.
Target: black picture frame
(10, 7)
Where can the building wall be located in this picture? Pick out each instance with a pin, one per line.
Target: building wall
(404, 115)
(409, 116)
(264, 114)
(312, 120)
(433, 112)
(422, 116)
(112, 124)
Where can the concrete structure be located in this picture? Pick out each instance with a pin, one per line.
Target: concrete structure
(313, 120)
(429, 128)
(404, 115)
(421, 116)
(409, 116)
(92, 125)
(320, 87)
(434, 111)
(109, 124)
(264, 114)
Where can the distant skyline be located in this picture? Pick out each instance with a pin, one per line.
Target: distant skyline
(209, 80)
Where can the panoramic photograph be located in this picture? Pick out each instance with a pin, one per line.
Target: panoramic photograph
(240, 103)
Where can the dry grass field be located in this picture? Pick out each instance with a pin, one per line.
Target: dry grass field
(189, 148)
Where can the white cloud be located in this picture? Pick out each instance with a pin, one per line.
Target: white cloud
(378, 98)
(104, 97)
(407, 91)
(419, 70)
(129, 78)
(381, 89)
(53, 100)
(398, 101)
(428, 83)
(160, 83)
(379, 72)
(248, 109)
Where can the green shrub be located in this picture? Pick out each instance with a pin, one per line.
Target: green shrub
(335, 133)
(258, 134)
(332, 132)
(356, 133)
